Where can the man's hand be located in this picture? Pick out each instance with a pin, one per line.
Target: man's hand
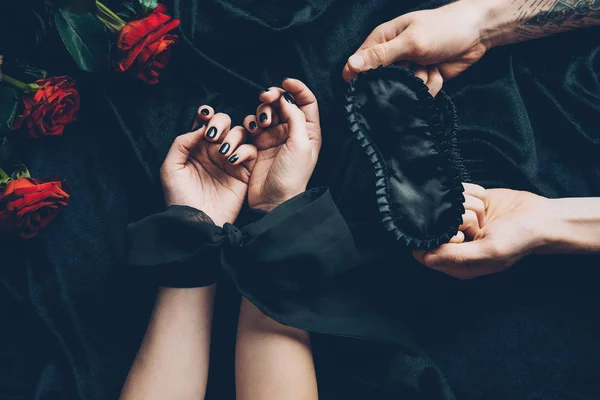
(448, 38)
(515, 224)
(443, 42)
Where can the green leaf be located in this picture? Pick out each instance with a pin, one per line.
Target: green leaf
(148, 5)
(85, 38)
(129, 13)
(10, 99)
(20, 171)
(34, 72)
(4, 178)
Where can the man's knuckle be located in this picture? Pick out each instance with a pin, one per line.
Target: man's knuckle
(419, 48)
(380, 53)
(493, 250)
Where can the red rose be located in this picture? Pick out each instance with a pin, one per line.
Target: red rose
(146, 44)
(50, 108)
(28, 205)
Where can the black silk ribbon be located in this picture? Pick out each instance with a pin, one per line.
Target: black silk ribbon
(183, 248)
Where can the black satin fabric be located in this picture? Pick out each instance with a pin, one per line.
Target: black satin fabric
(411, 143)
(73, 313)
(180, 247)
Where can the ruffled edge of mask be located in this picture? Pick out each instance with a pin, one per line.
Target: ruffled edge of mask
(446, 145)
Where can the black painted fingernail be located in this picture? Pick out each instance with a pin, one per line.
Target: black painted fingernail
(263, 117)
(224, 148)
(212, 132)
(288, 97)
(252, 125)
(233, 158)
(205, 111)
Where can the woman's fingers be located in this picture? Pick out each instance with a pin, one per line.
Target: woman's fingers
(266, 115)
(182, 147)
(304, 98)
(205, 113)
(217, 126)
(245, 154)
(474, 204)
(271, 95)
(295, 119)
(233, 139)
(251, 124)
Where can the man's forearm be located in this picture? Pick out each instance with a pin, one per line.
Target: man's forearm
(572, 226)
(511, 21)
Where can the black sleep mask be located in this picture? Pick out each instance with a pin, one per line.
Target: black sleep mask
(409, 138)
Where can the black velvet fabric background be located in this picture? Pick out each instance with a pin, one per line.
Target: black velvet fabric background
(72, 313)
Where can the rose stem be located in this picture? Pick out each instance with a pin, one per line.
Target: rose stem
(111, 14)
(12, 81)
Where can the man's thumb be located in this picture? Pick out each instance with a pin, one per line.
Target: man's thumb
(377, 55)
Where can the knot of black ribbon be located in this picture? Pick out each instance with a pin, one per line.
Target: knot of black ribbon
(183, 248)
(234, 235)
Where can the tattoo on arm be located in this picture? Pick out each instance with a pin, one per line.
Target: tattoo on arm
(539, 18)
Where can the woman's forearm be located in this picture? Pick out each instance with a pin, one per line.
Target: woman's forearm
(572, 226)
(511, 21)
(272, 361)
(172, 362)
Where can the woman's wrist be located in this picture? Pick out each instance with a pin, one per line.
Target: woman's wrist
(268, 206)
(218, 218)
(251, 317)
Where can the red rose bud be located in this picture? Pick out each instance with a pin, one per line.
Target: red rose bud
(27, 205)
(50, 108)
(146, 45)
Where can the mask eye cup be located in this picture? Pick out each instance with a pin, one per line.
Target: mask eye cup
(409, 139)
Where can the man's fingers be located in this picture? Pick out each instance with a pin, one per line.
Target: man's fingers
(380, 54)
(474, 190)
(458, 238)
(421, 73)
(470, 225)
(384, 33)
(435, 81)
(476, 205)
(455, 255)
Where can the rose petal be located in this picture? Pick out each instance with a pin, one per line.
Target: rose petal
(136, 31)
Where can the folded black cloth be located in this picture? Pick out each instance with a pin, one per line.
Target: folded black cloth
(182, 247)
